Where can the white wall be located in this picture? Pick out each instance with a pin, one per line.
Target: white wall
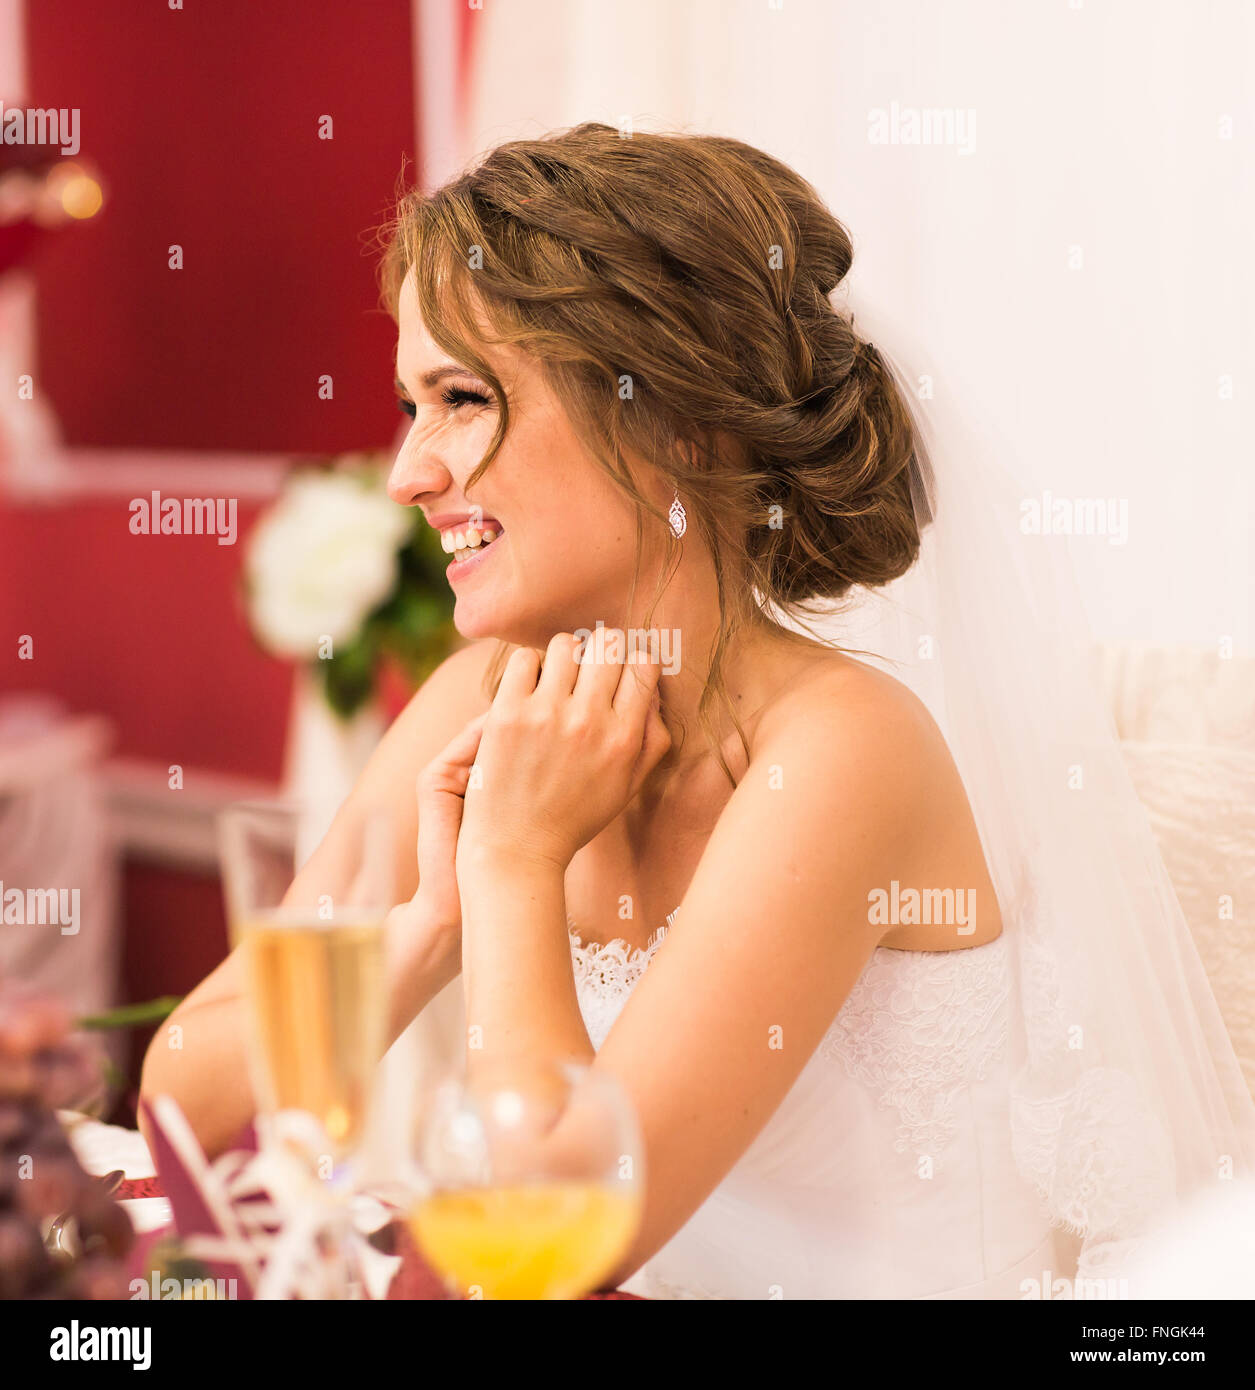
(1098, 132)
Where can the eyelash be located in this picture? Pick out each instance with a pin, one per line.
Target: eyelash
(453, 396)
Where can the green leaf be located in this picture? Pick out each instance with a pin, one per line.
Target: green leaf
(349, 677)
(132, 1015)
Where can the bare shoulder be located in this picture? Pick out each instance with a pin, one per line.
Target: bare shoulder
(841, 706)
(863, 734)
(460, 677)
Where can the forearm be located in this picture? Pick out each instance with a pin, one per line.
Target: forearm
(417, 971)
(199, 1058)
(518, 982)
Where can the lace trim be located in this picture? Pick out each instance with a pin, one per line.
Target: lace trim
(920, 1026)
(606, 975)
(917, 1028)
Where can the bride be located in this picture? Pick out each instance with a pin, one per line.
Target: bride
(902, 1012)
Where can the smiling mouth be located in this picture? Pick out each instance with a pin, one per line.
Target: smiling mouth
(468, 541)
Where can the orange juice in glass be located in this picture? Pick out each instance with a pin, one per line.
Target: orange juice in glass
(531, 1181)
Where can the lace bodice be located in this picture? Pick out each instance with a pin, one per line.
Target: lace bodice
(913, 1069)
(915, 1029)
(606, 975)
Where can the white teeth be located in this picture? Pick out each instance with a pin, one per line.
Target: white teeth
(460, 544)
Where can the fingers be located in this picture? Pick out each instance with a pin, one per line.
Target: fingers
(600, 666)
(638, 684)
(656, 742)
(463, 747)
(450, 770)
(520, 675)
(441, 786)
(561, 667)
(591, 669)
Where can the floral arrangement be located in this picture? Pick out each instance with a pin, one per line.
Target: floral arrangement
(342, 578)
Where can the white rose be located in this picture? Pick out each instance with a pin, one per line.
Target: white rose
(320, 560)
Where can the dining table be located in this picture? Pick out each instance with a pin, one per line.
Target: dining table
(394, 1268)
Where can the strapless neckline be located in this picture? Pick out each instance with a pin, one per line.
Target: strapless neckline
(632, 954)
(618, 945)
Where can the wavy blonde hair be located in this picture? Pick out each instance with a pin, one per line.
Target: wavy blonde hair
(675, 290)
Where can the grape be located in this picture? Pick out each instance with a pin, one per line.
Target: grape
(23, 1259)
(66, 1076)
(101, 1222)
(44, 1067)
(15, 1119)
(29, 1021)
(17, 1075)
(56, 1184)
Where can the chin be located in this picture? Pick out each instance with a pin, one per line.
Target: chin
(475, 620)
(529, 614)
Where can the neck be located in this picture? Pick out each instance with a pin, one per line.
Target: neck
(750, 670)
(685, 622)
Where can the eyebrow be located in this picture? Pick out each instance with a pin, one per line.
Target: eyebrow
(435, 376)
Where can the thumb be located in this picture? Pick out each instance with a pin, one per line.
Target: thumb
(441, 788)
(450, 768)
(655, 743)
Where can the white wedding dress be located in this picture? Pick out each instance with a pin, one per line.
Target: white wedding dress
(1006, 1120)
(887, 1171)
(985, 1122)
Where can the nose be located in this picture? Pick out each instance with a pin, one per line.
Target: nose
(417, 472)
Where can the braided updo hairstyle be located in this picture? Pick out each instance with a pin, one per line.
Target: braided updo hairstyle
(675, 289)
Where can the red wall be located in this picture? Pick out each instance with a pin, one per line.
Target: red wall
(204, 124)
(147, 629)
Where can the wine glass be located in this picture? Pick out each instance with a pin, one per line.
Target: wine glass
(529, 1179)
(314, 965)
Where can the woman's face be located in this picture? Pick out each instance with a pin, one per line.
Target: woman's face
(565, 544)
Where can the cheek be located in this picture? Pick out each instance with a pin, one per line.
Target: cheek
(573, 554)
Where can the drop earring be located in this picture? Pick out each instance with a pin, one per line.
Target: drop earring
(678, 517)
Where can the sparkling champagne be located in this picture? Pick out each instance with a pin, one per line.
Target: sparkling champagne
(548, 1240)
(318, 1004)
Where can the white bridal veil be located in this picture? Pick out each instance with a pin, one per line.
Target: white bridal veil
(1128, 1097)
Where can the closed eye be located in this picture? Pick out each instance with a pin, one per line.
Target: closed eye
(457, 396)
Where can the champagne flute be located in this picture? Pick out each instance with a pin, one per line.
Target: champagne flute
(529, 1179)
(314, 958)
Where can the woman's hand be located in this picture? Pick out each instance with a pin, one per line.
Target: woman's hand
(425, 934)
(561, 751)
(441, 790)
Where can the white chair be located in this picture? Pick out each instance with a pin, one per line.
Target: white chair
(1186, 719)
